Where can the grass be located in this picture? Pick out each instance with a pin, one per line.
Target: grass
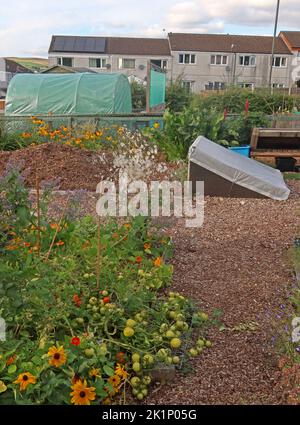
(291, 176)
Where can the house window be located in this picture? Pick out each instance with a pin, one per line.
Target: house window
(247, 60)
(187, 58)
(217, 85)
(125, 63)
(279, 61)
(162, 63)
(218, 60)
(246, 85)
(97, 62)
(65, 61)
(278, 86)
(188, 85)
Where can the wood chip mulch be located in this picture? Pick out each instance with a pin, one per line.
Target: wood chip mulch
(238, 263)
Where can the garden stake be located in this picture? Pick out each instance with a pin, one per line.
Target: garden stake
(37, 188)
(57, 229)
(98, 255)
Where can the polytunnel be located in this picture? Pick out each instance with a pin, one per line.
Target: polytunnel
(80, 93)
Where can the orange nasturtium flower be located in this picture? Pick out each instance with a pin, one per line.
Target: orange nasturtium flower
(57, 356)
(158, 261)
(147, 245)
(59, 243)
(139, 259)
(25, 379)
(82, 394)
(11, 360)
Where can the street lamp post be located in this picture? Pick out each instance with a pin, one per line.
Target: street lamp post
(273, 44)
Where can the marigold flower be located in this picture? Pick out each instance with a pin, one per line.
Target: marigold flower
(94, 373)
(147, 245)
(158, 261)
(58, 356)
(114, 381)
(156, 125)
(120, 357)
(121, 372)
(75, 341)
(82, 394)
(25, 379)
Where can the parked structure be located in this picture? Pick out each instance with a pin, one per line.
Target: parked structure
(202, 61)
(9, 68)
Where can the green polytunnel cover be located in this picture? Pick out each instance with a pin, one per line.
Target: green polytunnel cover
(81, 93)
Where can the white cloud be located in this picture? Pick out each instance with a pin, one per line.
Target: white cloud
(26, 26)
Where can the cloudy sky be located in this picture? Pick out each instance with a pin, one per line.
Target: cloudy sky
(26, 26)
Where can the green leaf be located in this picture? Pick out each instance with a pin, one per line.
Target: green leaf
(11, 369)
(108, 370)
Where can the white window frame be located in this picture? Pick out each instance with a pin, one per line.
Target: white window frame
(246, 85)
(215, 85)
(60, 60)
(281, 59)
(189, 85)
(163, 63)
(278, 86)
(121, 63)
(223, 60)
(252, 60)
(188, 56)
(102, 60)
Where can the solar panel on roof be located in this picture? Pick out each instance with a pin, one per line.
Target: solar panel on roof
(100, 45)
(79, 44)
(58, 43)
(69, 44)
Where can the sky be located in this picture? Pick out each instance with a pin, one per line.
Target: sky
(26, 26)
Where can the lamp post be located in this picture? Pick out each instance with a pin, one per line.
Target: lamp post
(233, 64)
(273, 45)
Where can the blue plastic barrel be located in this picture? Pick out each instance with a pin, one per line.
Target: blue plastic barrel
(242, 150)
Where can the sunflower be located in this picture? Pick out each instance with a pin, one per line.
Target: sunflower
(24, 379)
(58, 356)
(81, 394)
(121, 372)
(94, 373)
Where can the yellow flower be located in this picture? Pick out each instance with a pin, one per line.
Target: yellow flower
(121, 372)
(58, 356)
(158, 261)
(108, 138)
(81, 394)
(3, 387)
(25, 379)
(120, 130)
(94, 373)
(156, 125)
(114, 381)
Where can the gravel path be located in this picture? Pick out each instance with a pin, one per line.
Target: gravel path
(238, 263)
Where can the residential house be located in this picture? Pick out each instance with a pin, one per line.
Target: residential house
(110, 54)
(292, 40)
(8, 68)
(212, 61)
(202, 61)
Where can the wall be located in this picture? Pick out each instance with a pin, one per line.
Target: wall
(82, 60)
(202, 72)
